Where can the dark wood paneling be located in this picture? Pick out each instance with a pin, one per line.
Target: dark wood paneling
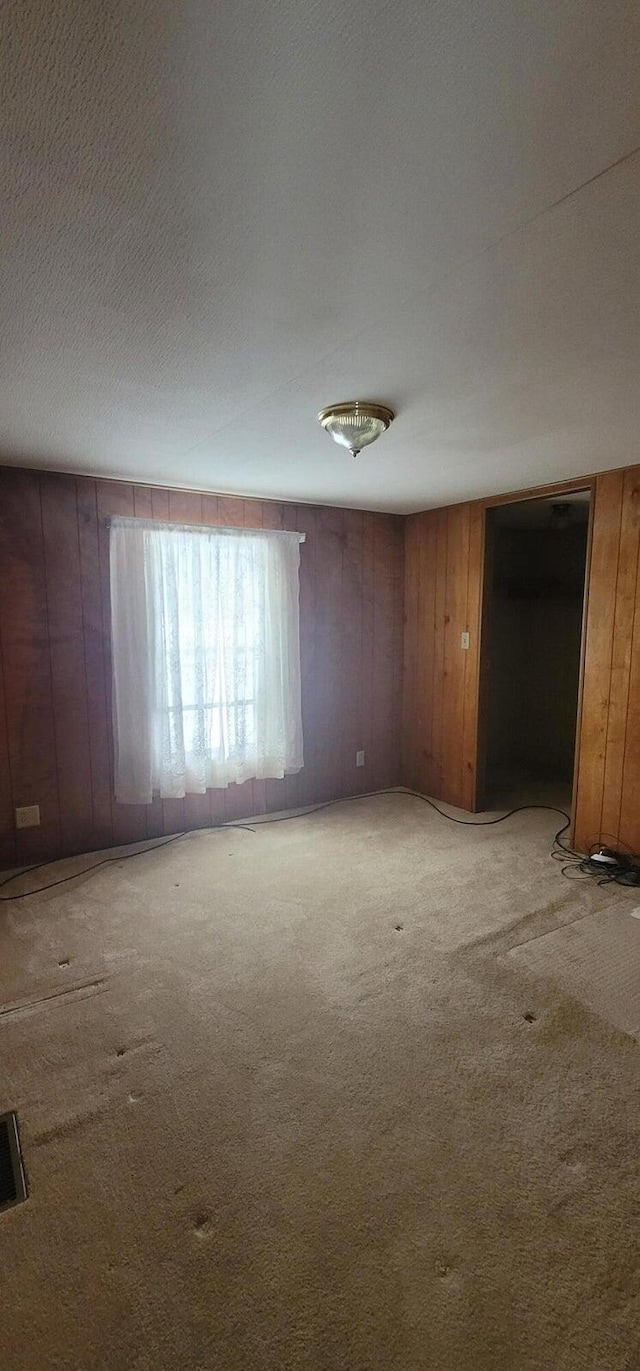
(426, 607)
(24, 632)
(351, 649)
(230, 512)
(142, 502)
(254, 792)
(56, 744)
(61, 545)
(55, 685)
(95, 637)
(301, 789)
(210, 512)
(411, 652)
(7, 830)
(388, 599)
(434, 771)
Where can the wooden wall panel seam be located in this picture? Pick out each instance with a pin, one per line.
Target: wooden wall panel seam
(431, 776)
(461, 627)
(604, 557)
(84, 656)
(628, 827)
(619, 752)
(615, 598)
(471, 712)
(104, 657)
(7, 854)
(48, 633)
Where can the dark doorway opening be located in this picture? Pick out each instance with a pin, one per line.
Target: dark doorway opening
(535, 568)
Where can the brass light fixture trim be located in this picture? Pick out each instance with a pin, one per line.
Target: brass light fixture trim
(356, 423)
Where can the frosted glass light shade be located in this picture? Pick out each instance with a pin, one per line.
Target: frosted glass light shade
(356, 423)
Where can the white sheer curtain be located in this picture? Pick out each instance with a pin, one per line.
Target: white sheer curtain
(206, 657)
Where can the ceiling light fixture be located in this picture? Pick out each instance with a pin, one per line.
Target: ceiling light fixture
(356, 423)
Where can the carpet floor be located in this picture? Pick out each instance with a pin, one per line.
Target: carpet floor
(288, 1103)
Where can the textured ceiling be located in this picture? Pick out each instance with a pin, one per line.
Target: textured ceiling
(218, 218)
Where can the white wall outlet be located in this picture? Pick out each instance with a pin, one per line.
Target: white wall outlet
(464, 641)
(360, 758)
(28, 816)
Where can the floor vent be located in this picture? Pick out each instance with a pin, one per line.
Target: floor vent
(13, 1186)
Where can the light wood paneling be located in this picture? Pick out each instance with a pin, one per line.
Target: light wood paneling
(56, 746)
(599, 634)
(470, 717)
(443, 581)
(443, 597)
(623, 689)
(441, 783)
(608, 755)
(455, 657)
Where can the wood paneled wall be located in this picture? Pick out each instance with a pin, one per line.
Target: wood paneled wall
(55, 670)
(443, 594)
(55, 677)
(443, 582)
(607, 806)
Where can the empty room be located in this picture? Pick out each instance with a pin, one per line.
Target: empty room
(320, 686)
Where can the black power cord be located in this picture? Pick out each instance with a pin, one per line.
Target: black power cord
(278, 819)
(600, 863)
(104, 861)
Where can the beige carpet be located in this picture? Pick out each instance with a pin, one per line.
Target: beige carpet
(287, 1103)
(596, 959)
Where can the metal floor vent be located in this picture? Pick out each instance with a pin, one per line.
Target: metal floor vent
(13, 1186)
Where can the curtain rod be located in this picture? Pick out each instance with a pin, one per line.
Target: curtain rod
(131, 522)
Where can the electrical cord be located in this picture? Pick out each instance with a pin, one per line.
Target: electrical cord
(603, 864)
(104, 861)
(277, 819)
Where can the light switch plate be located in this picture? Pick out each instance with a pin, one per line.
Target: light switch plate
(464, 641)
(28, 816)
(360, 758)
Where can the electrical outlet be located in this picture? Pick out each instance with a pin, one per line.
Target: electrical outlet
(464, 641)
(28, 816)
(359, 758)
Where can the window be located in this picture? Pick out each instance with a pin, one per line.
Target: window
(206, 657)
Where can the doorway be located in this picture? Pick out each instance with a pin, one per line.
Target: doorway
(535, 570)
